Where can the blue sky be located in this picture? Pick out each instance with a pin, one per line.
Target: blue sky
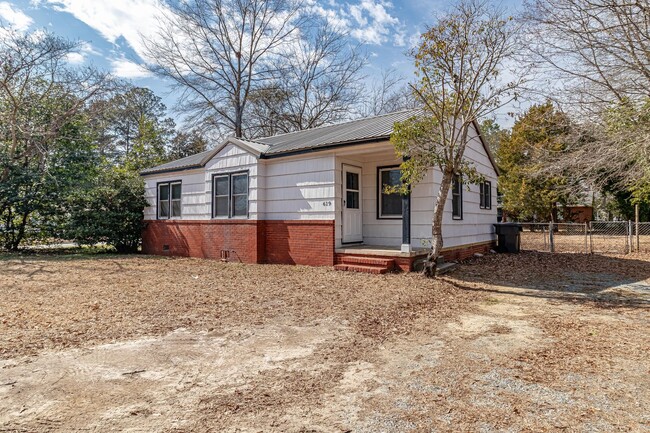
(111, 30)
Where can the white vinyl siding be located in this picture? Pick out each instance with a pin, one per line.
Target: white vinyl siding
(300, 188)
(309, 187)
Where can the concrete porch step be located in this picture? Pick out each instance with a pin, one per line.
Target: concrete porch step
(368, 269)
(370, 261)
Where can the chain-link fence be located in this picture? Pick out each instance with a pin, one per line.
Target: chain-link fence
(641, 238)
(616, 237)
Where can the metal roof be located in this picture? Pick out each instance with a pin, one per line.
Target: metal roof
(367, 129)
(192, 161)
(355, 131)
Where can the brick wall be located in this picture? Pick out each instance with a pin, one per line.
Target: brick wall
(300, 242)
(247, 241)
(466, 251)
(205, 239)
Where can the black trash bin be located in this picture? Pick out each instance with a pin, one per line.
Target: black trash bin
(508, 237)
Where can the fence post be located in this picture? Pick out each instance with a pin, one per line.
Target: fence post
(629, 231)
(586, 231)
(550, 237)
(636, 226)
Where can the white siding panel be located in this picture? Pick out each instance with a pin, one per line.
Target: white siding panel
(192, 197)
(196, 196)
(300, 188)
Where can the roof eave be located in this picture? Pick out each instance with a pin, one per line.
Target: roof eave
(328, 146)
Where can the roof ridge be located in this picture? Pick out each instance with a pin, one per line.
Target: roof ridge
(345, 122)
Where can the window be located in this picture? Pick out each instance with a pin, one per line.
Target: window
(486, 194)
(351, 190)
(230, 195)
(169, 200)
(390, 205)
(457, 198)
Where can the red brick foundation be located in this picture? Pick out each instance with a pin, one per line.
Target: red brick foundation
(300, 242)
(247, 241)
(467, 251)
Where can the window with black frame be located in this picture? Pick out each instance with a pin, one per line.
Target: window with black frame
(457, 197)
(486, 195)
(230, 195)
(390, 204)
(169, 199)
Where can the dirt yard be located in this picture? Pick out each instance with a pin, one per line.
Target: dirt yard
(529, 342)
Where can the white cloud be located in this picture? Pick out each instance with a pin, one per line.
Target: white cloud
(16, 18)
(130, 19)
(125, 68)
(82, 53)
(368, 21)
(75, 58)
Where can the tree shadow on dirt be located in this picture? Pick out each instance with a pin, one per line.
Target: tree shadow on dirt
(608, 281)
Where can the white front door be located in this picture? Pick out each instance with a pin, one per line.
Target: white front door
(352, 213)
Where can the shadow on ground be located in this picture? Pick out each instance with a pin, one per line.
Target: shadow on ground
(607, 280)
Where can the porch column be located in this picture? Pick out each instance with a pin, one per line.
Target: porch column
(406, 220)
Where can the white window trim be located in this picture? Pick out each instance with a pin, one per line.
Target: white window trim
(231, 202)
(170, 184)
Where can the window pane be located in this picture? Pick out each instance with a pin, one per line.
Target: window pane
(352, 200)
(457, 197)
(456, 185)
(163, 209)
(221, 206)
(176, 191)
(488, 195)
(456, 206)
(240, 205)
(163, 191)
(240, 184)
(391, 205)
(176, 208)
(391, 178)
(482, 194)
(221, 185)
(352, 180)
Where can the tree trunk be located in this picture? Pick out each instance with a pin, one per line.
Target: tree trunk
(430, 263)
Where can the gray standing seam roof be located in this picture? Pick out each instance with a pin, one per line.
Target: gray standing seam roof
(354, 131)
(195, 160)
(367, 129)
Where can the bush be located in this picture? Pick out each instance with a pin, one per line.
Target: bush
(110, 212)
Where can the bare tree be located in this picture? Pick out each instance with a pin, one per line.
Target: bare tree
(460, 79)
(598, 50)
(599, 54)
(217, 52)
(385, 94)
(319, 82)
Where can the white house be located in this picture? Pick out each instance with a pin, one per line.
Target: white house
(313, 197)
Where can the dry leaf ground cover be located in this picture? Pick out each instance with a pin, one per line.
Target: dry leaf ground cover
(529, 342)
